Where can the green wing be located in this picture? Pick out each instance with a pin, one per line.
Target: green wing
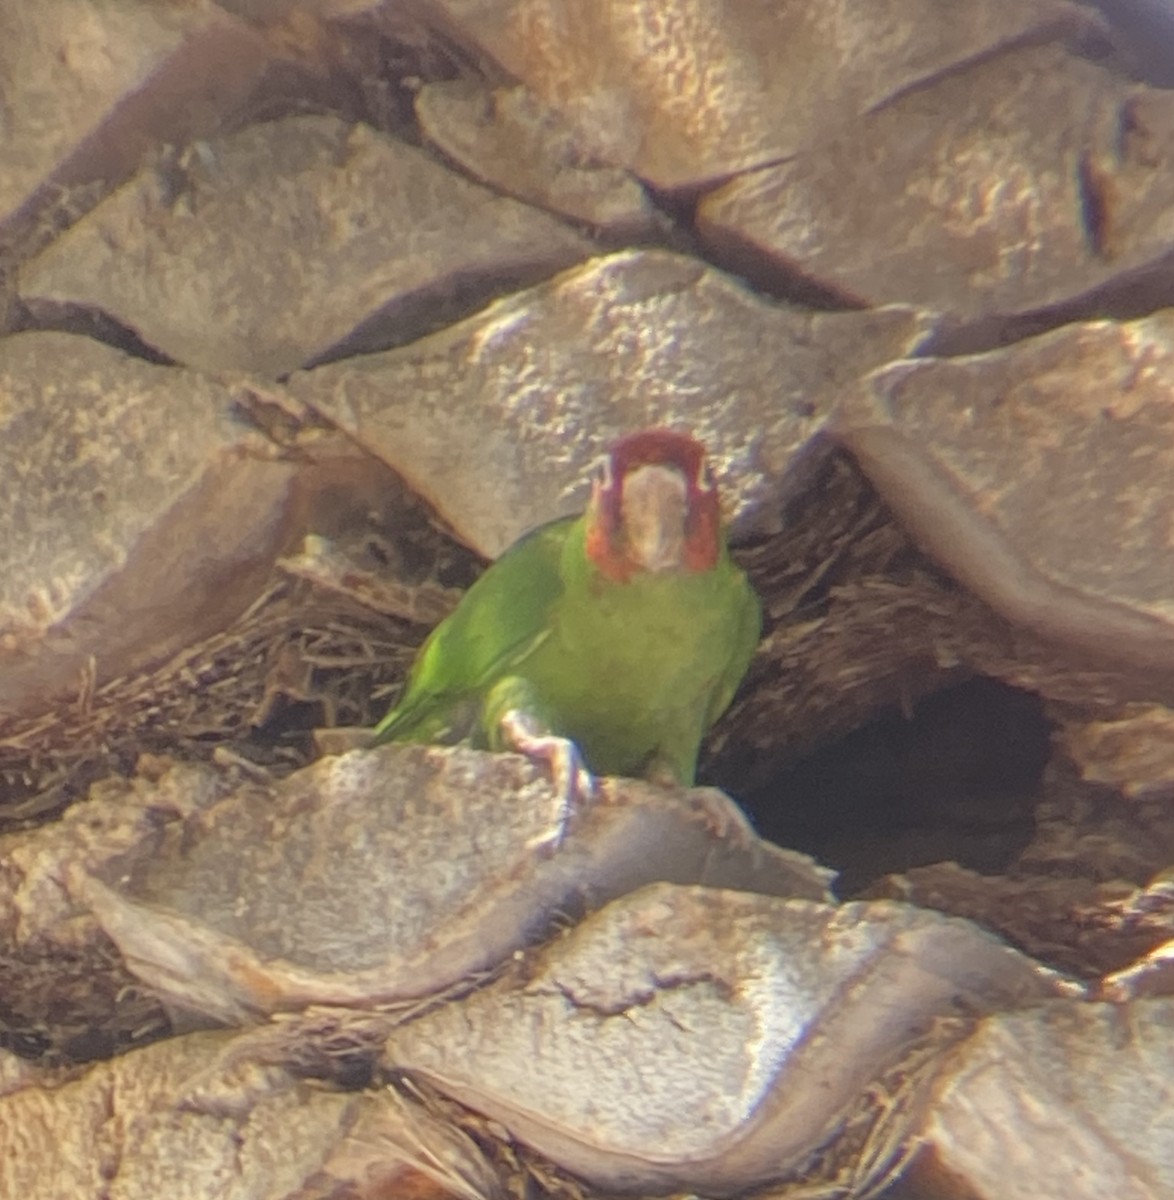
(747, 629)
(498, 622)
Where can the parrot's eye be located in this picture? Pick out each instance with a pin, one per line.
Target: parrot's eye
(603, 473)
(705, 479)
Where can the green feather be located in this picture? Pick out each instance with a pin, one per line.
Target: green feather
(634, 673)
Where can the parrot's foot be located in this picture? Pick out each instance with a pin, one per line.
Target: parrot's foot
(573, 783)
(726, 820)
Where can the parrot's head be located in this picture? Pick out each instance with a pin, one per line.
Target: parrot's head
(654, 507)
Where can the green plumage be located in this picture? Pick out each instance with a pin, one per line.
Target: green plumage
(633, 673)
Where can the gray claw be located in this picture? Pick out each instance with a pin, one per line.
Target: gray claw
(573, 782)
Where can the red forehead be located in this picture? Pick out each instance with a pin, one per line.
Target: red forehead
(657, 446)
(606, 538)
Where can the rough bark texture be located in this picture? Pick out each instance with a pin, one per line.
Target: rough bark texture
(308, 308)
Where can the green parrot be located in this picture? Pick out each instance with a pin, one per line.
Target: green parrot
(605, 643)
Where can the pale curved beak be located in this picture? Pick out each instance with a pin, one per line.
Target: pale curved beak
(653, 511)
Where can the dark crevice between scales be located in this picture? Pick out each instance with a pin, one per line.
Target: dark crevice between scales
(955, 779)
(880, 727)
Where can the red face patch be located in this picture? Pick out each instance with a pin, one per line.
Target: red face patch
(606, 546)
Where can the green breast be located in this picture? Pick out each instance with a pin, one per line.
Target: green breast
(630, 669)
